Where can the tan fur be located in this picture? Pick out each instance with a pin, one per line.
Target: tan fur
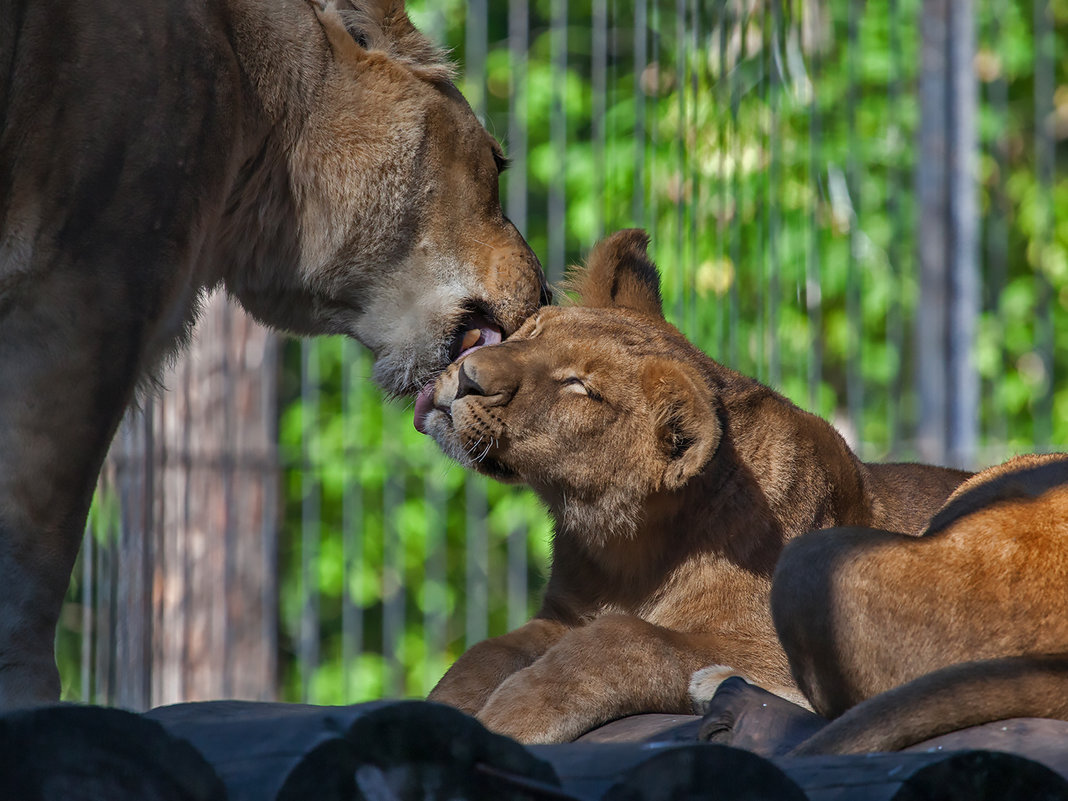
(673, 483)
(329, 178)
(907, 638)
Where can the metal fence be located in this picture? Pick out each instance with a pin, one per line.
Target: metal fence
(856, 203)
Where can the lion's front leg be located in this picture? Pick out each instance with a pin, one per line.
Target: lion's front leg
(66, 373)
(615, 666)
(482, 668)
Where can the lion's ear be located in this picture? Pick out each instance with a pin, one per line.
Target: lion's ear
(348, 45)
(384, 27)
(685, 418)
(619, 273)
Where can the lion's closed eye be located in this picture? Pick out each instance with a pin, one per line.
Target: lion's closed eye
(579, 387)
(574, 384)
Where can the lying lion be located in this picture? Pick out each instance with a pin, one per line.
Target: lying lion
(316, 162)
(673, 482)
(917, 637)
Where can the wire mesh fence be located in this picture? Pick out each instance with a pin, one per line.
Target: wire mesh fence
(855, 203)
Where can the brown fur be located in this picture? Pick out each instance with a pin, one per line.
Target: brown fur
(329, 178)
(907, 638)
(673, 483)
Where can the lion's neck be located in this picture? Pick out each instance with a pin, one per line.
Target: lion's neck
(719, 515)
(742, 508)
(283, 73)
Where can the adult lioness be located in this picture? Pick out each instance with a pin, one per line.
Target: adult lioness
(317, 164)
(673, 483)
(964, 625)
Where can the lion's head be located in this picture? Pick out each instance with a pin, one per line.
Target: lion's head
(598, 406)
(402, 242)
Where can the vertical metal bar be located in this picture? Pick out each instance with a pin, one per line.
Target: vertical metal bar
(229, 448)
(477, 562)
(147, 555)
(774, 190)
(932, 180)
(697, 72)
(760, 289)
(516, 177)
(613, 65)
(311, 512)
(996, 226)
(682, 280)
(518, 613)
(813, 271)
(107, 580)
(963, 419)
(641, 34)
(160, 564)
(737, 156)
(652, 118)
(190, 622)
(393, 605)
(598, 79)
(518, 28)
(270, 528)
(722, 95)
(88, 629)
(854, 314)
(558, 136)
(895, 329)
(352, 513)
(1045, 168)
(475, 46)
(435, 577)
(948, 283)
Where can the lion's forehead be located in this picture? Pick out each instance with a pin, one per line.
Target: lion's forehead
(596, 340)
(603, 329)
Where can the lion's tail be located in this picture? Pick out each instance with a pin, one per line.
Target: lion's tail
(955, 697)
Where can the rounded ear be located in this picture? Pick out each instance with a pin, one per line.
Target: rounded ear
(345, 45)
(619, 273)
(685, 416)
(382, 26)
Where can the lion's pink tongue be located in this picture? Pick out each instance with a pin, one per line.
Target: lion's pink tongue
(424, 402)
(483, 333)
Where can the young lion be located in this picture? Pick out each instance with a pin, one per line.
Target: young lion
(315, 161)
(919, 636)
(673, 483)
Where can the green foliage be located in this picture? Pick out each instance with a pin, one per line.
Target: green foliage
(771, 155)
(771, 151)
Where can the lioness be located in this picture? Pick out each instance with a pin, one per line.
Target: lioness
(315, 162)
(964, 625)
(673, 483)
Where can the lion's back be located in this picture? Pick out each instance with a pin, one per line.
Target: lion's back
(112, 117)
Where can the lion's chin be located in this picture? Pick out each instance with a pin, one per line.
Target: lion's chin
(439, 426)
(497, 470)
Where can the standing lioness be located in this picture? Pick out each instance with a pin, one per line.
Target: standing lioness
(318, 164)
(673, 482)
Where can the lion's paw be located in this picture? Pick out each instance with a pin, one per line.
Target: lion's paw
(705, 682)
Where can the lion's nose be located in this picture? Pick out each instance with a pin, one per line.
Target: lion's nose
(467, 384)
(489, 382)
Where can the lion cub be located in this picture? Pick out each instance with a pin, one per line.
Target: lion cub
(673, 482)
(964, 625)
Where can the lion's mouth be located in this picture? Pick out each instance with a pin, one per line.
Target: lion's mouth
(475, 332)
